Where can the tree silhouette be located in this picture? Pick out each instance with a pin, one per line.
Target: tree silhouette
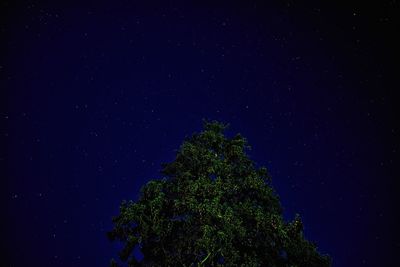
(213, 207)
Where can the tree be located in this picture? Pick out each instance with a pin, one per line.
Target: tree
(213, 207)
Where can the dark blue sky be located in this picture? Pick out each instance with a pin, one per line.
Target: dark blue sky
(96, 96)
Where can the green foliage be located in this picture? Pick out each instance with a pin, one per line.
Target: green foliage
(212, 208)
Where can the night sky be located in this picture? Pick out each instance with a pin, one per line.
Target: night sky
(94, 97)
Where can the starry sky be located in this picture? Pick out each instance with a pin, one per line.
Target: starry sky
(95, 96)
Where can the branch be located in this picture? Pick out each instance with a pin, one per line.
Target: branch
(201, 263)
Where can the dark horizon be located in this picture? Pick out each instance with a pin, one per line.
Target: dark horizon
(96, 97)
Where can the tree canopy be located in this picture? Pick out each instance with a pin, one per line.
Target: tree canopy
(212, 207)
